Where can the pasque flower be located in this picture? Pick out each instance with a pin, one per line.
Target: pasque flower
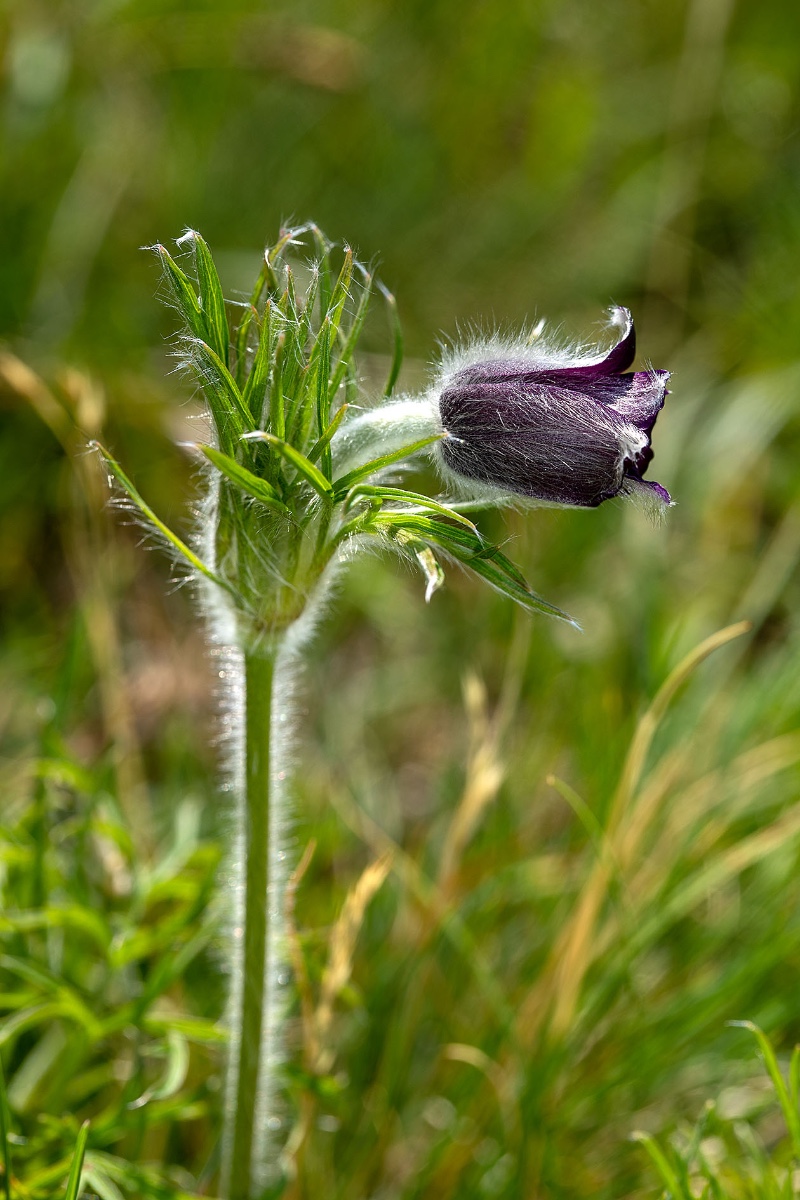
(554, 424)
(298, 480)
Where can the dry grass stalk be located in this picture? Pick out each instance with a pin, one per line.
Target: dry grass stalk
(340, 958)
(74, 420)
(484, 776)
(557, 993)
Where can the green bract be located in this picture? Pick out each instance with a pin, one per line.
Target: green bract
(280, 380)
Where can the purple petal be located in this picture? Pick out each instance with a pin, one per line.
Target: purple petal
(615, 360)
(639, 397)
(654, 491)
(660, 491)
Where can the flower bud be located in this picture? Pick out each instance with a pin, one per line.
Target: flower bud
(557, 426)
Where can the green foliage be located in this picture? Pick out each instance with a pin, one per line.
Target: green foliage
(107, 1056)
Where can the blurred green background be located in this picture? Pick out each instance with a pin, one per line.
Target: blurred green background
(501, 161)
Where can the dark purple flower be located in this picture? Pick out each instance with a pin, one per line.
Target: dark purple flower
(557, 426)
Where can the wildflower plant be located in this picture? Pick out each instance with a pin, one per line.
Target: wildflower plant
(299, 476)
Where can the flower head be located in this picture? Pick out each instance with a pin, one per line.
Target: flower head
(555, 425)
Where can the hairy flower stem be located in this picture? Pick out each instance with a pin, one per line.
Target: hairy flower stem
(251, 1008)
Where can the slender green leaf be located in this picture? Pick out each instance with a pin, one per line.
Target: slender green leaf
(250, 315)
(302, 465)
(665, 1171)
(74, 1180)
(464, 542)
(401, 496)
(341, 293)
(292, 368)
(195, 1028)
(594, 829)
(291, 297)
(177, 1067)
(183, 292)
(322, 392)
(353, 334)
(40, 1014)
(73, 916)
(324, 267)
(174, 1074)
(4, 1131)
(97, 1179)
(231, 415)
(485, 559)
(147, 512)
(343, 484)
(258, 488)
(502, 581)
(794, 1078)
(790, 1110)
(212, 301)
(397, 332)
(277, 411)
(67, 1001)
(248, 319)
(309, 301)
(305, 400)
(318, 447)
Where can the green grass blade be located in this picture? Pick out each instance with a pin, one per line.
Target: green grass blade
(101, 1183)
(794, 1078)
(790, 1111)
(4, 1131)
(309, 472)
(258, 488)
(172, 1077)
(343, 484)
(662, 1166)
(74, 1180)
(212, 301)
(177, 1067)
(397, 333)
(147, 512)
